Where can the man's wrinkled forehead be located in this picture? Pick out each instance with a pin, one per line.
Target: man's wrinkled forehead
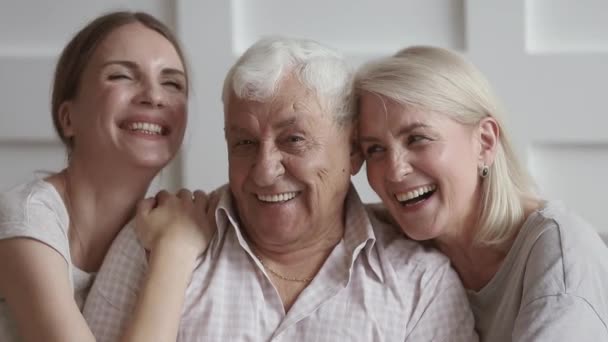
(288, 107)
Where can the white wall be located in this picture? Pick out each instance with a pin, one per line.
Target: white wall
(546, 58)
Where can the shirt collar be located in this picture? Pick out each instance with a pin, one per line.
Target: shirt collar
(359, 238)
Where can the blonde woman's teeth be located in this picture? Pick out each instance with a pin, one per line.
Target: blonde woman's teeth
(412, 194)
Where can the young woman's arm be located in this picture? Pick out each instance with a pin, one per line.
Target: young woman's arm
(176, 230)
(35, 283)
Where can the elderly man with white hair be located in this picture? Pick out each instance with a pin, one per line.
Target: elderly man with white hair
(296, 255)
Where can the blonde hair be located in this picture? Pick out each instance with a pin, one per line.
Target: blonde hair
(440, 80)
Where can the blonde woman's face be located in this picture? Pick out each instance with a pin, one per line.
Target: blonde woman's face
(422, 164)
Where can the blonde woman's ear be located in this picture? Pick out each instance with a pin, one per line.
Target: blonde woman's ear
(489, 135)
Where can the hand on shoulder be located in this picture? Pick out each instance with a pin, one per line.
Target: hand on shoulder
(182, 221)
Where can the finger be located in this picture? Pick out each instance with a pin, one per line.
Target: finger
(200, 200)
(162, 197)
(185, 195)
(144, 206)
(213, 200)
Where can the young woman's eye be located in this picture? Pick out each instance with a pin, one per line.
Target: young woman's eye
(174, 84)
(113, 77)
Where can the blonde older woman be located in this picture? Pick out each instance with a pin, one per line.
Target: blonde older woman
(440, 159)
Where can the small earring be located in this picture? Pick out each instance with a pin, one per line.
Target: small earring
(484, 171)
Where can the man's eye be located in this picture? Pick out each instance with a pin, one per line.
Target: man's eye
(244, 142)
(294, 139)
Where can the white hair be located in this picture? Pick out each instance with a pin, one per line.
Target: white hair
(435, 79)
(258, 72)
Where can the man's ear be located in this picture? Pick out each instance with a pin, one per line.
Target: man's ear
(356, 155)
(489, 135)
(65, 119)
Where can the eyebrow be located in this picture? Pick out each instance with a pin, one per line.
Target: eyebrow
(237, 129)
(133, 66)
(404, 131)
(286, 123)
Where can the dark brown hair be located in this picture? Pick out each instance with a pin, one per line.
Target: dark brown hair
(76, 55)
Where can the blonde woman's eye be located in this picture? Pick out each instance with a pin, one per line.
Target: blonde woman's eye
(416, 138)
(373, 149)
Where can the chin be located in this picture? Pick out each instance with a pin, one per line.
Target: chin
(420, 236)
(418, 233)
(274, 231)
(151, 163)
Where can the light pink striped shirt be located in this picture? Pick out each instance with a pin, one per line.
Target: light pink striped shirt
(375, 286)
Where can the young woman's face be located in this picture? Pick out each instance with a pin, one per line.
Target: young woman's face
(132, 100)
(422, 164)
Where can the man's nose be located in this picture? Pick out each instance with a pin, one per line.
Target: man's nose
(268, 165)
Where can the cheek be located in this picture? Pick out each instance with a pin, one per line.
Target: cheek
(458, 175)
(311, 172)
(237, 171)
(180, 111)
(438, 162)
(301, 169)
(110, 96)
(179, 108)
(374, 176)
(330, 169)
(181, 116)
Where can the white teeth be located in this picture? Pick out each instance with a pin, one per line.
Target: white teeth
(283, 197)
(146, 127)
(415, 193)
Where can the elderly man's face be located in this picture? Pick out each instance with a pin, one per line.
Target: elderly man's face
(289, 165)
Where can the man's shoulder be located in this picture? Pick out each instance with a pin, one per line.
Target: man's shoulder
(126, 246)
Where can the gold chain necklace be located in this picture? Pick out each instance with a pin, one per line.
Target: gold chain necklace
(68, 204)
(271, 270)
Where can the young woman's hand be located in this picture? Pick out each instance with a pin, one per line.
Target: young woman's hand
(180, 222)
